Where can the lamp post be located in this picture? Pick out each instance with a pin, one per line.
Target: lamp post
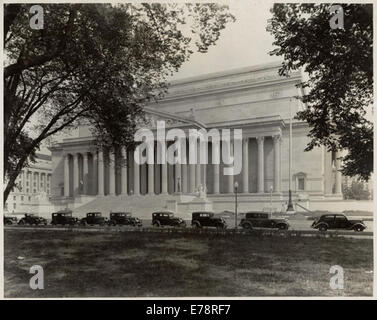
(290, 204)
(235, 191)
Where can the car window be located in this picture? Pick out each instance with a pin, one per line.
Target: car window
(340, 218)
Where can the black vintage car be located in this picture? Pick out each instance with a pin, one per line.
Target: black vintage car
(207, 219)
(337, 221)
(10, 220)
(63, 218)
(263, 220)
(93, 218)
(124, 218)
(166, 218)
(31, 219)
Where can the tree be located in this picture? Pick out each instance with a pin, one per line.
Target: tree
(339, 63)
(356, 191)
(97, 63)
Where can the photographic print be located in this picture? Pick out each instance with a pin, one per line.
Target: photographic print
(188, 149)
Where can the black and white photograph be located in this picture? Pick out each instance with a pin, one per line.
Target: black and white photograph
(187, 149)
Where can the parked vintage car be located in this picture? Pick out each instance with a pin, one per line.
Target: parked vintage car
(10, 220)
(207, 219)
(124, 218)
(263, 220)
(31, 219)
(63, 218)
(166, 218)
(93, 218)
(337, 221)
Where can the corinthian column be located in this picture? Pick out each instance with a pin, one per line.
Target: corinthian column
(76, 177)
(338, 174)
(85, 175)
(216, 167)
(184, 168)
(231, 176)
(198, 177)
(66, 175)
(245, 165)
(137, 175)
(111, 173)
(260, 141)
(124, 178)
(150, 174)
(100, 175)
(277, 182)
(192, 155)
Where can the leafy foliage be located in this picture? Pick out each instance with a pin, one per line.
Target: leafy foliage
(93, 63)
(356, 191)
(339, 63)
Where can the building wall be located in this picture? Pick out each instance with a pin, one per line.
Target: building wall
(245, 98)
(29, 193)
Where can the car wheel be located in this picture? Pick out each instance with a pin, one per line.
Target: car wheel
(219, 226)
(358, 228)
(283, 227)
(156, 224)
(247, 226)
(22, 222)
(196, 225)
(322, 228)
(83, 223)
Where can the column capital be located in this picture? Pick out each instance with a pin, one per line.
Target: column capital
(260, 139)
(276, 137)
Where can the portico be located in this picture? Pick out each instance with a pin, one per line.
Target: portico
(256, 100)
(91, 171)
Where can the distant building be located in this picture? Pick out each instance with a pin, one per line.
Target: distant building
(33, 188)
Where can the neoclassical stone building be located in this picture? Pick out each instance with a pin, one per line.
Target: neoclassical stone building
(33, 188)
(256, 100)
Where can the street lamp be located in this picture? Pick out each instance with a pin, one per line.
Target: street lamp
(235, 191)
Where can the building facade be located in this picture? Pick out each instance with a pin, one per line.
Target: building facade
(33, 187)
(256, 100)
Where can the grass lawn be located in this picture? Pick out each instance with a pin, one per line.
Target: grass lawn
(129, 264)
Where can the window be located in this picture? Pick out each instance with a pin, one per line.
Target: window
(34, 184)
(14, 206)
(35, 191)
(27, 183)
(301, 184)
(300, 181)
(14, 198)
(29, 198)
(22, 198)
(27, 190)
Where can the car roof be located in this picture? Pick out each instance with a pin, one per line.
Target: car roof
(121, 212)
(166, 211)
(203, 212)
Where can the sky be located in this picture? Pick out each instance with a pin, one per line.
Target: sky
(242, 43)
